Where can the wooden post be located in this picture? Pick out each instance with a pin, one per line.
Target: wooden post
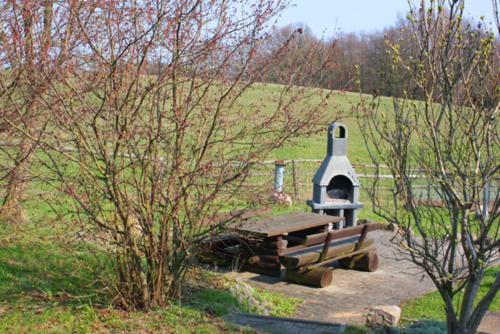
(326, 245)
(362, 238)
(294, 178)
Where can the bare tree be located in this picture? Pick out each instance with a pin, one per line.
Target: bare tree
(34, 39)
(151, 159)
(449, 138)
(305, 54)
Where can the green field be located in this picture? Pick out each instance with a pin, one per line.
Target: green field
(341, 107)
(48, 288)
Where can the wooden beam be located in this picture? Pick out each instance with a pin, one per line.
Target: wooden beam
(337, 258)
(317, 277)
(326, 246)
(305, 257)
(318, 238)
(268, 269)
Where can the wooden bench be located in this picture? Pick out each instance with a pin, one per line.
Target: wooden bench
(349, 246)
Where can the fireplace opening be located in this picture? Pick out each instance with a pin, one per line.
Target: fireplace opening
(339, 132)
(339, 190)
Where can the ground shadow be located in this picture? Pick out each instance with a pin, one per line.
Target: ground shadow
(268, 279)
(47, 273)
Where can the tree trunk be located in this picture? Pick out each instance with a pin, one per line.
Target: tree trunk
(12, 209)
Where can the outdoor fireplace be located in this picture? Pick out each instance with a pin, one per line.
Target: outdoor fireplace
(336, 185)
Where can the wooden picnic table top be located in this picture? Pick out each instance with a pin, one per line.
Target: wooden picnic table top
(292, 222)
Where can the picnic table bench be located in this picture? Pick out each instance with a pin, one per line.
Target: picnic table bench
(303, 243)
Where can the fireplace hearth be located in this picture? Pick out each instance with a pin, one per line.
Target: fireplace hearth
(336, 185)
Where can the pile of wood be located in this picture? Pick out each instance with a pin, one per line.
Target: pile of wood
(261, 255)
(245, 253)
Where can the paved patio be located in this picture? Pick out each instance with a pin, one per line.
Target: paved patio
(352, 293)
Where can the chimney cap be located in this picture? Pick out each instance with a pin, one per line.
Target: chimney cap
(342, 133)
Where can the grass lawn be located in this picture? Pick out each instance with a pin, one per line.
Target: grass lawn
(44, 288)
(431, 307)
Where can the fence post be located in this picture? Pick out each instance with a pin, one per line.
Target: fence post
(294, 177)
(279, 172)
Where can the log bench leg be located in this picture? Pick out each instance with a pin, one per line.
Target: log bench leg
(316, 277)
(364, 262)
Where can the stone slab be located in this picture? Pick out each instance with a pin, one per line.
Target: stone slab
(276, 325)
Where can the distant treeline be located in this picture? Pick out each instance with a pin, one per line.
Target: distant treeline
(357, 62)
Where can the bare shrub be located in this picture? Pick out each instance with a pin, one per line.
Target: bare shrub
(157, 121)
(451, 138)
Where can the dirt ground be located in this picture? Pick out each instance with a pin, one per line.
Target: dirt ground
(352, 293)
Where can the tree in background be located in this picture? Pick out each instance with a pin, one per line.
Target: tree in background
(450, 137)
(317, 58)
(352, 52)
(35, 37)
(152, 158)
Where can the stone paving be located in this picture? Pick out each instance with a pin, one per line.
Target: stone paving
(490, 324)
(275, 325)
(352, 292)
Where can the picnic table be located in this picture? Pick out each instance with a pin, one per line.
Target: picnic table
(302, 243)
(286, 224)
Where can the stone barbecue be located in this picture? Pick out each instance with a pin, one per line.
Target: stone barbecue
(336, 185)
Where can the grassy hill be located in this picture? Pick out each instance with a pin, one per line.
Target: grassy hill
(341, 107)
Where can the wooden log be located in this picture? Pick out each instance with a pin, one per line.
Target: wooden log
(279, 244)
(215, 258)
(316, 277)
(248, 251)
(253, 259)
(335, 258)
(263, 259)
(364, 262)
(318, 238)
(269, 258)
(326, 246)
(290, 249)
(268, 269)
(292, 261)
(272, 252)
